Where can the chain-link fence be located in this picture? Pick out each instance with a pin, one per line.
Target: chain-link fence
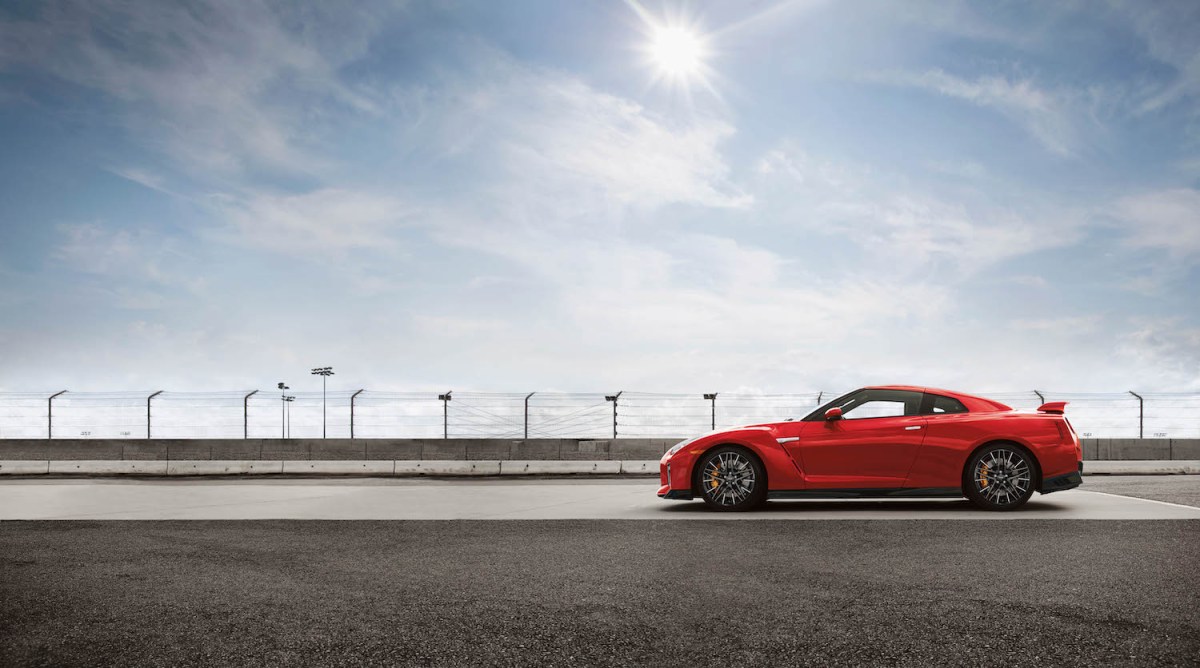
(370, 414)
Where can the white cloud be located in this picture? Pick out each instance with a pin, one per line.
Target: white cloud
(1044, 114)
(1167, 219)
(202, 81)
(590, 139)
(320, 222)
(104, 250)
(1077, 324)
(547, 139)
(1169, 33)
(128, 267)
(1167, 349)
(902, 226)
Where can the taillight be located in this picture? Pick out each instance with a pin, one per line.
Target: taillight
(1062, 430)
(1067, 433)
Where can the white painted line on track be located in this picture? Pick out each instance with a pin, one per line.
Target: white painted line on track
(1165, 503)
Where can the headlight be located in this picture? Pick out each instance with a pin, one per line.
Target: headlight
(679, 446)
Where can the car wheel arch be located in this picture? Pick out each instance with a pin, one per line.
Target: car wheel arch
(695, 482)
(1037, 465)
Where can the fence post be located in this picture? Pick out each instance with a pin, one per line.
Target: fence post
(50, 415)
(1040, 397)
(613, 398)
(445, 399)
(712, 396)
(352, 412)
(246, 414)
(819, 395)
(527, 413)
(1141, 413)
(148, 412)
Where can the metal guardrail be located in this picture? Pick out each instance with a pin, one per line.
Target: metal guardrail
(453, 414)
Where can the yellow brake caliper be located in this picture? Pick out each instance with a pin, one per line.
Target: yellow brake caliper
(713, 476)
(983, 471)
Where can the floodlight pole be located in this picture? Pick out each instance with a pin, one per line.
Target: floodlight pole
(352, 412)
(445, 399)
(324, 372)
(527, 413)
(148, 412)
(288, 402)
(50, 415)
(1141, 412)
(613, 398)
(283, 410)
(712, 396)
(246, 414)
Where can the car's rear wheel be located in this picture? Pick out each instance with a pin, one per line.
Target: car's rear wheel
(731, 479)
(1000, 477)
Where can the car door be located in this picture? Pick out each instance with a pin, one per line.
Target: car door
(872, 446)
(950, 430)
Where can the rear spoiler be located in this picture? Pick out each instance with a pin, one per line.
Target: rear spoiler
(1054, 407)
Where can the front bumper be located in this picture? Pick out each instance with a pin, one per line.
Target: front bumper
(665, 491)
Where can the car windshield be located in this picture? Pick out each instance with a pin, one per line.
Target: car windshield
(819, 413)
(871, 403)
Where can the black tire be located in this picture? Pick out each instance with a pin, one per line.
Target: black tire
(1000, 477)
(731, 479)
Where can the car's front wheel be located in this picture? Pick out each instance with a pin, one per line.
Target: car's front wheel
(731, 478)
(999, 477)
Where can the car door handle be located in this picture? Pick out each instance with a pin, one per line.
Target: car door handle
(912, 428)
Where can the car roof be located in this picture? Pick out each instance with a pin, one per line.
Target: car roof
(949, 393)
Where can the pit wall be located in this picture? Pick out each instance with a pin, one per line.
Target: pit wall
(337, 449)
(455, 449)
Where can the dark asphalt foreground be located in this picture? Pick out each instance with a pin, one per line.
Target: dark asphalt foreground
(603, 593)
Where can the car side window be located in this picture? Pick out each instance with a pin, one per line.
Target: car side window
(881, 403)
(936, 404)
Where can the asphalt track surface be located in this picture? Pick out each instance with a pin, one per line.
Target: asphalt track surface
(914, 591)
(496, 499)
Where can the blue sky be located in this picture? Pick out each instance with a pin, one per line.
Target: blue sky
(501, 196)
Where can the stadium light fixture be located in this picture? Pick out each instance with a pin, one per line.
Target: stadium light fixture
(283, 410)
(288, 402)
(324, 372)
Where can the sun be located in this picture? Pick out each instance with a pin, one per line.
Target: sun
(677, 52)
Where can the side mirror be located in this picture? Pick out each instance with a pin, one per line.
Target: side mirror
(834, 413)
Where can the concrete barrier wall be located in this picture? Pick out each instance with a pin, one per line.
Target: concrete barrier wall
(332, 467)
(429, 467)
(481, 449)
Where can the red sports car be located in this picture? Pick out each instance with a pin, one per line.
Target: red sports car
(887, 441)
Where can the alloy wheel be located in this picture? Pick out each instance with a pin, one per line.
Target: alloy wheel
(728, 479)
(1003, 476)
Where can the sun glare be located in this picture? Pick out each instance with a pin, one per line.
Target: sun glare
(678, 52)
